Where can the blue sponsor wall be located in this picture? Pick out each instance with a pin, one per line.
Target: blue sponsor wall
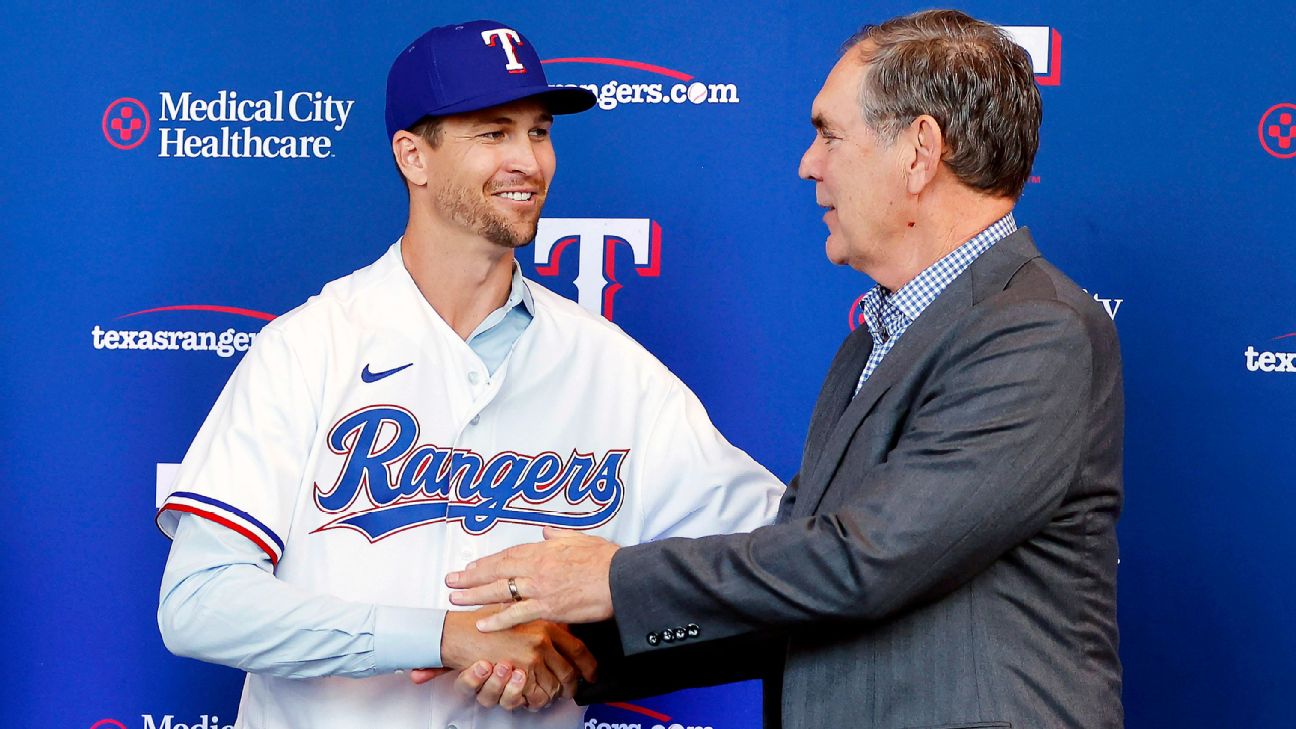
(1168, 158)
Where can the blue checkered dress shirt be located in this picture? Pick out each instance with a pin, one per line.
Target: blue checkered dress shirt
(888, 314)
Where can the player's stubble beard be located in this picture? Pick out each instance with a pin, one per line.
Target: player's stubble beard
(471, 210)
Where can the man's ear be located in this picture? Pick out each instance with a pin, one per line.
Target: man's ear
(925, 138)
(411, 157)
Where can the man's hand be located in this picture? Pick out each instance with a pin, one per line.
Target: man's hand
(530, 665)
(564, 579)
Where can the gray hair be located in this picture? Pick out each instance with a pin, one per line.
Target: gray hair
(971, 78)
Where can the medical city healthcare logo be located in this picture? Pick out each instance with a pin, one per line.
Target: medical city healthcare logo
(126, 123)
(1278, 131)
(281, 124)
(1111, 305)
(223, 342)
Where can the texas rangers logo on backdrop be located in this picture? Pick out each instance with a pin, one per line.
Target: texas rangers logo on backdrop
(223, 343)
(1266, 360)
(596, 241)
(389, 482)
(1044, 45)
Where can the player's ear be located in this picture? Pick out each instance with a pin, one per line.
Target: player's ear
(411, 157)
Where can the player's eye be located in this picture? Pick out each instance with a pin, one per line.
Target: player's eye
(540, 133)
(492, 136)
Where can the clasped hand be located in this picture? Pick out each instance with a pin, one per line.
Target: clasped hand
(529, 665)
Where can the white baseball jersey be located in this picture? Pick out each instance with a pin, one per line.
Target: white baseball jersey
(365, 447)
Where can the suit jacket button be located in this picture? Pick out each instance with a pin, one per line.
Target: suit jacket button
(653, 639)
(680, 634)
(693, 630)
(668, 635)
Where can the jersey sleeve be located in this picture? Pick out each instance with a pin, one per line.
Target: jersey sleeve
(694, 482)
(245, 466)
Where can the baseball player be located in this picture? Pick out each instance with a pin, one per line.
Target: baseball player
(426, 410)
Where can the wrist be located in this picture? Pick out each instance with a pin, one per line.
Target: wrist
(453, 633)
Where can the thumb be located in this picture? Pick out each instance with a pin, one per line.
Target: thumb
(556, 533)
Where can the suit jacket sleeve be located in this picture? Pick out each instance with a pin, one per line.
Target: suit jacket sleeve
(986, 452)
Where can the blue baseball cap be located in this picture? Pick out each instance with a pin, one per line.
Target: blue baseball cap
(464, 67)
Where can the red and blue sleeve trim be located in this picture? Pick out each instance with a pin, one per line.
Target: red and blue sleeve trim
(229, 516)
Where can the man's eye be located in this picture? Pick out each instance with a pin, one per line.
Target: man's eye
(492, 136)
(540, 133)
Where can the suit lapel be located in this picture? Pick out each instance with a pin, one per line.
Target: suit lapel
(988, 274)
(836, 394)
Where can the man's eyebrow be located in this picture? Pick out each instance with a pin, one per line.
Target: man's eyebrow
(819, 122)
(545, 118)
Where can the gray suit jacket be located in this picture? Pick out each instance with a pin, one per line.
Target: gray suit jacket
(946, 556)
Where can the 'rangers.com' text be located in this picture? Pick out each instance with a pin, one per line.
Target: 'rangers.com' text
(614, 93)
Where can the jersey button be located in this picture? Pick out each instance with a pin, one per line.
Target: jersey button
(476, 419)
(473, 378)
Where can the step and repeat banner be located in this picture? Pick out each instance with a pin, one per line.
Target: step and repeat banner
(178, 174)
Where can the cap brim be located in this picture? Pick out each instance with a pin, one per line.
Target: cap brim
(558, 99)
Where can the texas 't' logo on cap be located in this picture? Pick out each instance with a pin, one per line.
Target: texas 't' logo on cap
(507, 37)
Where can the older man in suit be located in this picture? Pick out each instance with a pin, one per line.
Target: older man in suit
(946, 556)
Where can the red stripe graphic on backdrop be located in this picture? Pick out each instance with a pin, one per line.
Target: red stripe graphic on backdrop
(640, 710)
(206, 307)
(625, 64)
(1293, 334)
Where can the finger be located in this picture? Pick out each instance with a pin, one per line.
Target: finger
(493, 690)
(536, 697)
(544, 684)
(489, 594)
(564, 675)
(497, 566)
(558, 533)
(423, 675)
(473, 678)
(513, 615)
(577, 654)
(514, 692)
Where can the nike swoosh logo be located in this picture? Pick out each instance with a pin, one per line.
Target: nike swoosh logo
(368, 376)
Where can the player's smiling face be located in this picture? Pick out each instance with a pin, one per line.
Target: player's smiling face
(492, 170)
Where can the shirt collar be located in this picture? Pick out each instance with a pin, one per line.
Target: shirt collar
(912, 298)
(519, 292)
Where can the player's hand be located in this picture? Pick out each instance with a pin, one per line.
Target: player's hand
(564, 579)
(502, 686)
(548, 658)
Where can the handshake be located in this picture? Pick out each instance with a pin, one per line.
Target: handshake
(530, 665)
(508, 652)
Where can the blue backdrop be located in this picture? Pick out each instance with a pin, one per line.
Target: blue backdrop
(1169, 146)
